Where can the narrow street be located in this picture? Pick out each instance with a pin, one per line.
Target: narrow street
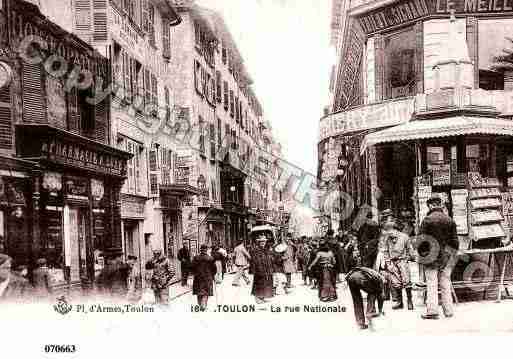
(473, 317)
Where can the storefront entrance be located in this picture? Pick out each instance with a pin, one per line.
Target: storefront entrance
(75, 247)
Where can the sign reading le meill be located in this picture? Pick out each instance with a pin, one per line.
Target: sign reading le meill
(406, 11)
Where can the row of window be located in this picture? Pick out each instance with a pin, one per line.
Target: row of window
(143, 14)
(212, 90)
(139, 85)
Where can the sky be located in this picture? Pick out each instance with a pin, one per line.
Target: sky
(285, 46)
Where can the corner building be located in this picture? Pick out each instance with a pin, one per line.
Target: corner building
(422, 101)
(60, 172)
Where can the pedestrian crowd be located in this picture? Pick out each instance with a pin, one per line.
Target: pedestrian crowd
(376, 258)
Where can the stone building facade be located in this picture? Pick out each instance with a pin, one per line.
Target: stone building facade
(232, 155)
(60, 172)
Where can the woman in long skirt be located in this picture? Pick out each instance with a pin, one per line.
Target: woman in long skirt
(325, 260)
(262, 266)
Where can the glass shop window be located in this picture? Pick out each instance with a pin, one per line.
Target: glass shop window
(495, 56)
(400, 64)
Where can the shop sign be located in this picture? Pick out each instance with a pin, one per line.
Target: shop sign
(52, 182)
(132, 207)
(374, 116)
(97, 189)
(473, 6)
(76, 187)
(441, 174)
(72, 154)
(396, 14)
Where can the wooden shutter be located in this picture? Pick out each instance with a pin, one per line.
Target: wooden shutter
(73, 113)
(154, 91)
(168, 108)
(226, 98)
(219, 84)
(130, 168)
(151, 23)
(34, 104)
(219, 135)
(147, 87)
(212, 136)
(6, 132)
(154, 178)
(127, 75)
(100, 20)
(197, 77)
(101, 120)
(83, 19)
(166, 39)
(144, 15)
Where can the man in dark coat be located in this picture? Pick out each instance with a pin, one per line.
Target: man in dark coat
(371, 282)
(262, 267)
(185, 262)
(113, 279)
(368, 241)
(204, 270)
(13, 288)
(438, 247)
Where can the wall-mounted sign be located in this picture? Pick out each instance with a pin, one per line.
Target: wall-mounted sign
(393, 15)
(473, 6)
(73, 154)
(97, 189)
(76, 187)
(441, 174)
(132, 207)
(52, 182)
(380, 115)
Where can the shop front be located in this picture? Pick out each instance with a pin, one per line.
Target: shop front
(172, 198)
(465, 158)
(76, 213)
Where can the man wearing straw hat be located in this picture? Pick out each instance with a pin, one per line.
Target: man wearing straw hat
(262, 269)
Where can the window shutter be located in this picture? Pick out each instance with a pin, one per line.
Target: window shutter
(73, 113)
(101, 120)
(144, 15)
(127, 81)
(151, 23)
(166, 100)
(154, 92)
(83, 19)
(34, 104)
(212, 136)
(166, 39)
(197, 77)
(6, 132)
(219, 135)
(232, 105)
(154, 177)
(100, 20)
(219, 84)
(147, 87)
(130, 168)
(226, 98)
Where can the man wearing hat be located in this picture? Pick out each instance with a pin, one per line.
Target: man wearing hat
(438, 247)
(262, 266)
(163, 272)
(13, 288)
(242, 258)
(113, 279)
(397, 251)
(203, 269)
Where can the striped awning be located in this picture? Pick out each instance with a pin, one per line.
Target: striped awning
(444, 127)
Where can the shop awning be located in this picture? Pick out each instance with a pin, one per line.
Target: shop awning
(444, 127)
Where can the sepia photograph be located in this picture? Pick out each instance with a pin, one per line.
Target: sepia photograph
(227, 176)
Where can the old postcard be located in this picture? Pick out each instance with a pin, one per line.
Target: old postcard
(211, 171)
